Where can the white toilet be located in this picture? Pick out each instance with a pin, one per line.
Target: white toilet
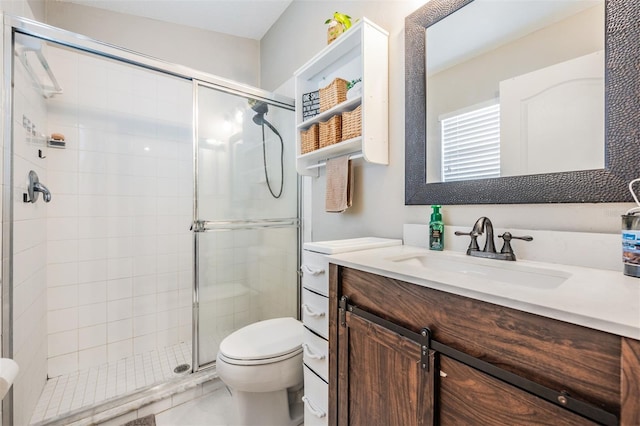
(262, 365)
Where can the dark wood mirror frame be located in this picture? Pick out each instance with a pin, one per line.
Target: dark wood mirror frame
(622, 123)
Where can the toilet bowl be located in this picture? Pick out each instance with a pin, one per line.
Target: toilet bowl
(262, 365)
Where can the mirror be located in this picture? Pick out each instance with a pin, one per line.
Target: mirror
(611, 162)
(526, 79)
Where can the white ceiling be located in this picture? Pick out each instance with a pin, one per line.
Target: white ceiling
(242, 18)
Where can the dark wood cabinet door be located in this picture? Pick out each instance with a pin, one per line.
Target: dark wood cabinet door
(380, 379)
(470, 397)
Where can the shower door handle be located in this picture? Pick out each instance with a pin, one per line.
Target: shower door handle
(230, 225)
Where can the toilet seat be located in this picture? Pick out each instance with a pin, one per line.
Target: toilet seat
(263, 342)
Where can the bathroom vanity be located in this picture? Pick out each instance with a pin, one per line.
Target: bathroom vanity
(409, 346)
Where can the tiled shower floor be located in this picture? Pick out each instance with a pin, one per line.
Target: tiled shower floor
(85, 388)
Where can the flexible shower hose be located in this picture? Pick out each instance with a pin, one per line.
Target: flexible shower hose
(264, 159)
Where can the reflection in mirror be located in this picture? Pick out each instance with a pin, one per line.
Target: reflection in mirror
(621, 117)
(515, 88)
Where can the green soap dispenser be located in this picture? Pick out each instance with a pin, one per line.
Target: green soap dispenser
(436, 230)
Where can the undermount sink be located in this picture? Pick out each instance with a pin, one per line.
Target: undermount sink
(493, 270)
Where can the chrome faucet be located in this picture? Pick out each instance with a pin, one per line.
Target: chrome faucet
(489, 251)
(34, 187)
(46, 194)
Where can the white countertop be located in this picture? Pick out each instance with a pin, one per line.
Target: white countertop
(353, 244)
(600, 299)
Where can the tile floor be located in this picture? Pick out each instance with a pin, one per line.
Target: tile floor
(213, 409)
(84, 388)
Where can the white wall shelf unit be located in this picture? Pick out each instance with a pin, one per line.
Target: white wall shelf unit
(361, 52)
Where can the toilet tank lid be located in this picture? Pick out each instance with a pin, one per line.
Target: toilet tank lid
(264, 339)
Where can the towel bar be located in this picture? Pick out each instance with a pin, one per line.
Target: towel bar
(47, 90)
(324, 163)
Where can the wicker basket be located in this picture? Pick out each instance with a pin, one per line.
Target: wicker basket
(309, 139)
(334, 94)
(352, 123)
(331, 131)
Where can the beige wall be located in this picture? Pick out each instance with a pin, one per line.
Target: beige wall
(38, 9)
(234, 58)
(379, 201)
(23, 8)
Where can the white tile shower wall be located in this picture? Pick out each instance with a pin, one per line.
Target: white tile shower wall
(29, 251)
(119, 248)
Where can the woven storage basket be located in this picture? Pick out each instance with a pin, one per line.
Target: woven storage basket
(334, 94)
(331, 131)
(352, 123)
(309, 139)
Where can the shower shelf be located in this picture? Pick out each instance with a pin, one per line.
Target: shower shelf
(361, 52)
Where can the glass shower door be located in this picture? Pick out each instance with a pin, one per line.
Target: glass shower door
(246, 216)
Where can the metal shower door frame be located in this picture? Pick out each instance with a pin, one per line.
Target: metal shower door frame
(12, 25)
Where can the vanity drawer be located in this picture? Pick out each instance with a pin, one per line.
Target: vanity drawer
(316, 399)
(314, 312)
(316, 353)
(315, 272)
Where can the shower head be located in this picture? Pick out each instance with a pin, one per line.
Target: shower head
(259, 119)
(259, 106)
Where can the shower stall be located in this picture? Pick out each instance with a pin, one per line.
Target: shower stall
(172, 219)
